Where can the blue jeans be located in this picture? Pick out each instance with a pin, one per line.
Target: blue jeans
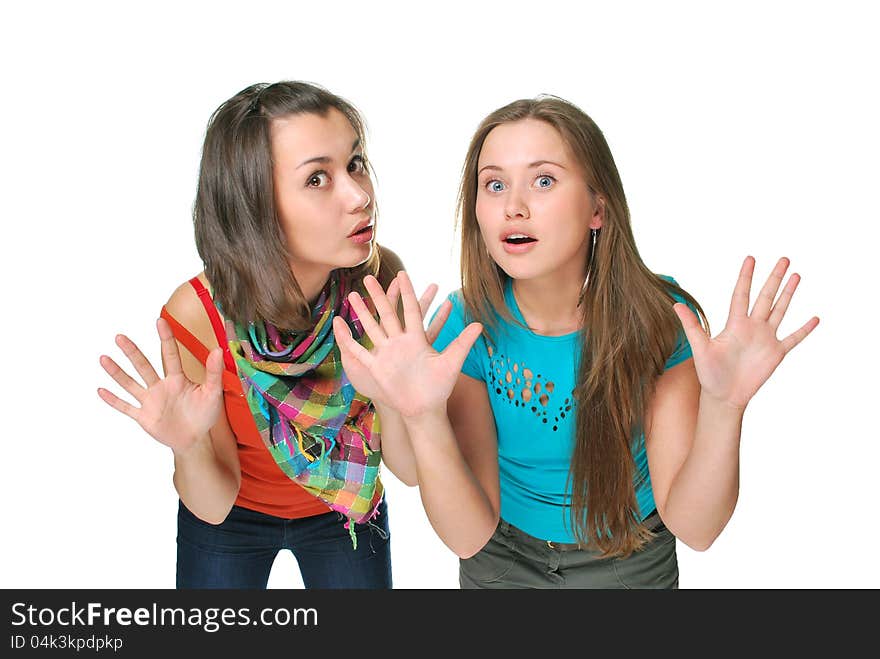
(239, 552)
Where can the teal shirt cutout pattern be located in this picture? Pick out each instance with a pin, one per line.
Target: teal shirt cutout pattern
(530, 379)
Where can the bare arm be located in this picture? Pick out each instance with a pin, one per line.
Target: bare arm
(185, 412)
(693, 455)
(397, 453)
(207, 476)
(455, 454)
(457, 461)
(397, 449)
(695, 418)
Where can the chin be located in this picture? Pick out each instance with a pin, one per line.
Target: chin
(521, 269)
(361, 254)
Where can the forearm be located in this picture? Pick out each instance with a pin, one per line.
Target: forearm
(455, 502)
(397, 453)
(205, 485)
(703, 495)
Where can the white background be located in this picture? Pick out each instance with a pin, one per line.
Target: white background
(746, 130)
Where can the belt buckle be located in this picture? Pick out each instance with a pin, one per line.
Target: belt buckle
(563, 546)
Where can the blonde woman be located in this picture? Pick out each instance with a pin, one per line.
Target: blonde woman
(573, 418)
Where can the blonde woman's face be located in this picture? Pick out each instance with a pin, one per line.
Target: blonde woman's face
(534, 207)
(323, 194)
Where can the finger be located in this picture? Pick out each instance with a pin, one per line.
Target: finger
(426, 299)
(371, 327)
(141, 364)
(458, 350)
(438, 321)
(694, 332)
(412, 312)
(764, 301)
(387, 314)
(393, 295)
(118, 404)
(739, 303)
(214, 372)
(122, 378)
(781, 306)
(170, 353)
(796, 337)
(347, 345)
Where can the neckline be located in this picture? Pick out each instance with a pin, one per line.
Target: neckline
(514, 309)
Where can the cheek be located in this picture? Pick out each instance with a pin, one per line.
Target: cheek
(303, 222)
(488, 212)
(485, 228)
(571, 214)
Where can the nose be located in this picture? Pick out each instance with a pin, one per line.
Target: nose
(515, 207)
(358, 198)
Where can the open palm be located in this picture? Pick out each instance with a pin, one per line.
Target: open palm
(173, 410)
(732, 366)
(359, 375)
(402, 370)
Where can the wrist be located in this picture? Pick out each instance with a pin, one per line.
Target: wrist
(383, 409)
(720, 406)
(192, 449)
(425, 419)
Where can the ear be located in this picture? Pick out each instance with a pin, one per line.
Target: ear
(598, 217)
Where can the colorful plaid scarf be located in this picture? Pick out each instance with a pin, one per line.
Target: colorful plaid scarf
(315, 425)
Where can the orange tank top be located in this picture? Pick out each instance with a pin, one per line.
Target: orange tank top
(264, 487)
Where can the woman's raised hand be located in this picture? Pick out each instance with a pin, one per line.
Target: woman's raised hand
(402, 370)
(173, 410)
(732, 366)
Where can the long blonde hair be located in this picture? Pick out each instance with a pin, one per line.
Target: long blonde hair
(628, 328)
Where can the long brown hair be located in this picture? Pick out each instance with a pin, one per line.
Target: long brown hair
(628, 328)
(237, 231)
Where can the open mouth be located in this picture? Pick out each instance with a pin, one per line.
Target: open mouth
(362, 229)
(519, 239)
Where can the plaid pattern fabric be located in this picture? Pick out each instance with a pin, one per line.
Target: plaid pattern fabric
(315, 425)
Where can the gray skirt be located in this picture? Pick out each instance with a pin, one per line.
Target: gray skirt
(514, 559)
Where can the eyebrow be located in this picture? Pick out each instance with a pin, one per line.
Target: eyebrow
(537, 163)
(326, 159)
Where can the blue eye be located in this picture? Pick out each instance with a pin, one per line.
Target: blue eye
(545, 181)
(357, 165)
(494, 186)
(318, 180)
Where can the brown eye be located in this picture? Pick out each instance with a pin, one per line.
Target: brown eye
(357, 165)
(318, 180)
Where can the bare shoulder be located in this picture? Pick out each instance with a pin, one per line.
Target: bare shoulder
(186, 308)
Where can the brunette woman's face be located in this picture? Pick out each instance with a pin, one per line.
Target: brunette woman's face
(534, 208)
(323, 194)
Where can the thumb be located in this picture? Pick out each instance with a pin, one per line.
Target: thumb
(348, 347)
(214, 372)
(458, 350)
(694, 332)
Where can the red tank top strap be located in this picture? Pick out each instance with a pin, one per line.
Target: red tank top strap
(187, 338)
(198, 349)
(216, 323)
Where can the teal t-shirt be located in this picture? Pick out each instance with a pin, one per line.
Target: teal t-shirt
(530, 379)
